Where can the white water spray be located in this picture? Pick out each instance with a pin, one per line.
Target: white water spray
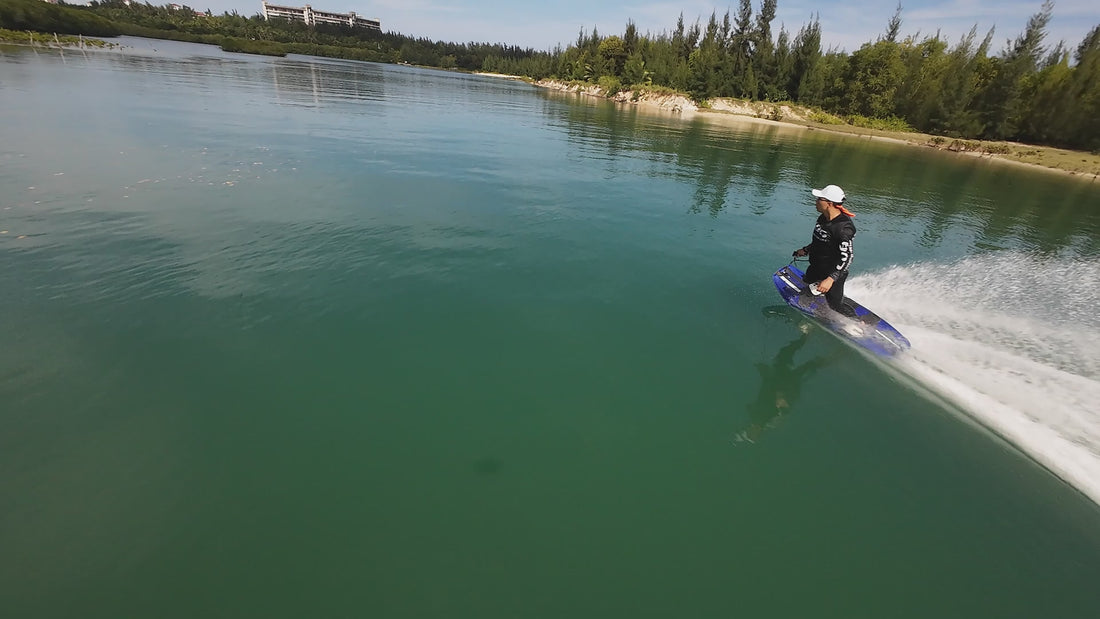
(1014, 341)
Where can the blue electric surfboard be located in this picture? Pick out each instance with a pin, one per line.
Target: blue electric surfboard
(865, 328)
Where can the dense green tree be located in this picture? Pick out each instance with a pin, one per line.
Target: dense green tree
(630, 38)
(872, 79)
(807, 81)
(742, 77)
(44, 17)
(966, 74)
(634, 71)
(1003, 103)
(763, 52)
(705, 63)
(1081, 124)
(1025, 92)
(612, 51)
(1047, 108)
(780, 90)
(921, 87)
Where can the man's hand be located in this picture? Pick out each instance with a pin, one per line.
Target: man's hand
(825, 284)
(798, 253)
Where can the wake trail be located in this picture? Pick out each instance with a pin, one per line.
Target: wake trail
(1013, 340)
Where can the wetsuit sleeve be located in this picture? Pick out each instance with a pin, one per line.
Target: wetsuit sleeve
(844, 237)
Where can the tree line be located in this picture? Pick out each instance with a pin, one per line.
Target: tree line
(41, 16)
(1027, 92)
(252, 34)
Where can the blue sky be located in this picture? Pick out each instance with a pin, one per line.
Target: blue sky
(541, 25)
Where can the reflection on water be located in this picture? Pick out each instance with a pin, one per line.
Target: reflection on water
(781, 382)
(740, 168)
(296, 80)
(743, 165)
(314, 82)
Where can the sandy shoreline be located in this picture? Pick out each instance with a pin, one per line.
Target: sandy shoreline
(501, 75)
(793, 118)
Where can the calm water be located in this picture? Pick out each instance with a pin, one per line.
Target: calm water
(309, 338)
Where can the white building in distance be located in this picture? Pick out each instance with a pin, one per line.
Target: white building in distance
(312, 17)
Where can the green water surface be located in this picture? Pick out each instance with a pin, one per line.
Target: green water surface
(309, 338)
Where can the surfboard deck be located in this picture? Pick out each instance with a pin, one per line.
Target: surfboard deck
(863, 328)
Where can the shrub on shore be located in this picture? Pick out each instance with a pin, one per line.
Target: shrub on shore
(890, 123)
(45, 17)
(825, 118)
(246, 46)
(611, 85)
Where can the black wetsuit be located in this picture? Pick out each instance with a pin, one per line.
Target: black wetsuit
(830, 256)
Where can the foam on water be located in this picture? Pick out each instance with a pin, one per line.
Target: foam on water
(1013, 340)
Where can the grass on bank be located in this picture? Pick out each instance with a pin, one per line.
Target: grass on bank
(1074, 162)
